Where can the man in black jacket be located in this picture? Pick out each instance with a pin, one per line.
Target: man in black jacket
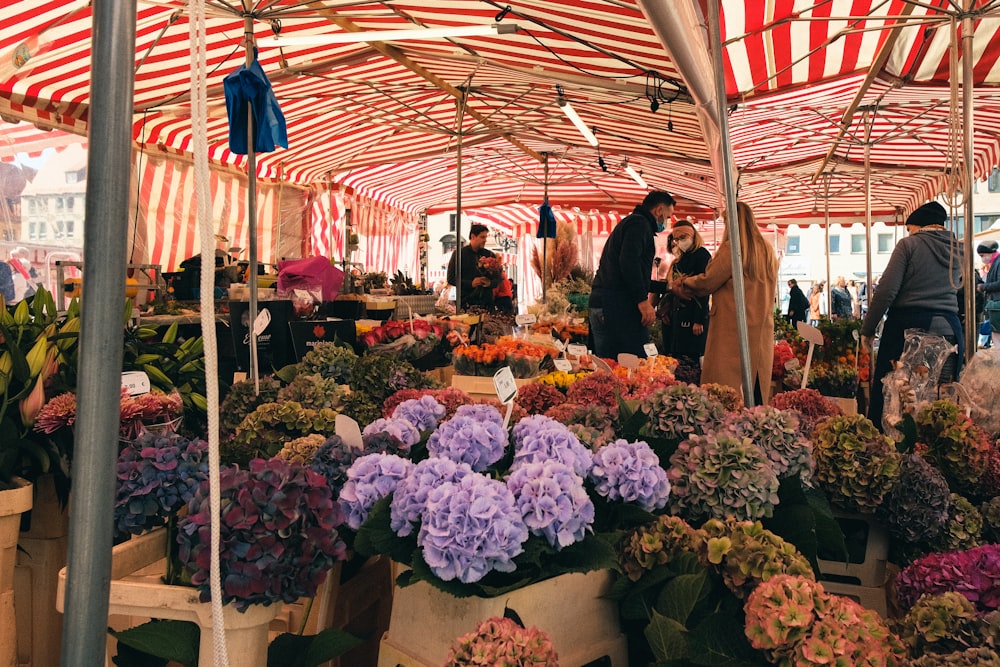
(477, 290)
(798, 303)
(620, 311)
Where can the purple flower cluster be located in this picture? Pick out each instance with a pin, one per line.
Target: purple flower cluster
(553, 502)
(423, 413)
(410, 496)
(369, 479)
(279, 536)
(470, 528)
(157, 475)
(470, 439)
(539, 439)
(630, 471)
(334, 457)
(484, 412)
(974, 573)
(407, 433)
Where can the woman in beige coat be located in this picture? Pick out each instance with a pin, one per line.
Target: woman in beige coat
(760, 274)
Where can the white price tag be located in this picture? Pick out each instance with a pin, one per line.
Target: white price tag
(524, 319)
(575, 350)
(263, 319)
(349, 432)
(650, 350)
(561, 346)
(629, 361)
(563, 365)
(135, 382)
(506, 387)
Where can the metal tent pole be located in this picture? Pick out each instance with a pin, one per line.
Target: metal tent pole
(968, 145)
(869, 123)
(729, 185)
(251, 209)
(460, 119)
(826, 235)
(84, 638)
(545, 232)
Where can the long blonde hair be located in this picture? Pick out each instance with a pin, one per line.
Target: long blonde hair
(759, 260)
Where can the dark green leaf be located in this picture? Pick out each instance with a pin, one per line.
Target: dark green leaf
(171, 640)
(795, 523)
(719, 641)
(376, 537)
(908, 427)
(829, 534)
(667, 638)
(681, 594)
(288, 650)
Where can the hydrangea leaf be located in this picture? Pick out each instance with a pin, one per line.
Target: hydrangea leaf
(682, 594)
(667, 638)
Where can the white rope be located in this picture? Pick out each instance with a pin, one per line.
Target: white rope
(199, 115)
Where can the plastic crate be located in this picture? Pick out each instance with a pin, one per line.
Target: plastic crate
(868, 570)
(869, 597)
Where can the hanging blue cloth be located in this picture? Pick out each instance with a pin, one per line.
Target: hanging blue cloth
(250, 86)
(546, 222)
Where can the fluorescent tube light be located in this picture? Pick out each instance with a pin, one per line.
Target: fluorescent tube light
(635, 176)
(570, 112)
(321, 39)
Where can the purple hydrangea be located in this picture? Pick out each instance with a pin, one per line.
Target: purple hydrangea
(468, 439)
(630, 471)
(423, 413)
(157, 475)
(407, 433)
(470, 528)
(538, 439)
(369, 479)
(279, 534)
(553, 502)
(480, 412)
(410, 497)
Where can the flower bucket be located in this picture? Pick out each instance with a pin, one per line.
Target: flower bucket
(41, 555)
(138, 592)
(13, 502)
(849, 406)
(570, 608)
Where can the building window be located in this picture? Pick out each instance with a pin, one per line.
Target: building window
(32, 231)
(792, 245)
(452, 221)
(70, 229)
(42, 231)
(70, 201)
(857, 244)
(993, 182)
(59, 203)
(834, 244)
(884, 243)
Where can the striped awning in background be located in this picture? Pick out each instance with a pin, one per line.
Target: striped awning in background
(812, 87)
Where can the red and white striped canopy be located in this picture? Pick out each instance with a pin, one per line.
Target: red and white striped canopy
(812, 85)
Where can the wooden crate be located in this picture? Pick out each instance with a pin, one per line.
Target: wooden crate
(570, 608)
(870, 572)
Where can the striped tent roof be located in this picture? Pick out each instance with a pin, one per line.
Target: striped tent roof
(809, 84)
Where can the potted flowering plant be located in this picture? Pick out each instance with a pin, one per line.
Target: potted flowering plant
(503, 641)
(553, 505)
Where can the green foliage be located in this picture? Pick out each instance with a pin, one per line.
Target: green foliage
(178, 641)
(265, 431)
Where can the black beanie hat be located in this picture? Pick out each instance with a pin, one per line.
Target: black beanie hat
(987, 248)
(931, 213)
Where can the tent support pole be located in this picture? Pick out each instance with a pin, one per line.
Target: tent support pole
(869, 123)
(251, 213)
(84, 634)
(826, 237)
(968, 277)
(545, 236)
(732, 219)
(460, 120)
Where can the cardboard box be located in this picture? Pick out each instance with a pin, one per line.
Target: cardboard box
(869, 597)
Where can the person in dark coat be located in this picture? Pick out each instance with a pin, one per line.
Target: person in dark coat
(620, 309)
(841, 303)
(798, 303)
(916, 291)
(477, 290)
(688, 317)
(987, 252)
